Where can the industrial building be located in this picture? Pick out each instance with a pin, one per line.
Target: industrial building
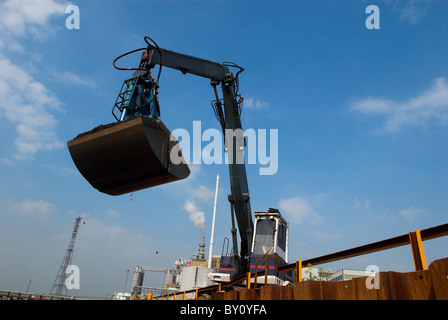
(189, 274)
(317, 273)
(186, 275)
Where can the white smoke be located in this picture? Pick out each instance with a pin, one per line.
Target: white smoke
(196, 216)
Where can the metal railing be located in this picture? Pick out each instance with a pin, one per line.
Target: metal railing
(413, 238)
(17, 295)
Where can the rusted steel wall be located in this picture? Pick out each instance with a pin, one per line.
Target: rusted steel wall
(430, 284)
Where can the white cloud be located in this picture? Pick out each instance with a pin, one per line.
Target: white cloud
(252, 103)
(413, 13)
(202, 193)
(71, 78)
(102, 241)
(112, 213)
(361, 203)
(196, 216)
(299, 210)
(428, 107)
(328, 236)
(412, 213)
(25, 102)
(30, 206)
(31, 17)
(60, 169)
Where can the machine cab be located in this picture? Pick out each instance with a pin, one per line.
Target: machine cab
(270, 238)
(270, 244)
(271, 232)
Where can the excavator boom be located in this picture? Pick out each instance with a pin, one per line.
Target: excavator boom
(134, 153)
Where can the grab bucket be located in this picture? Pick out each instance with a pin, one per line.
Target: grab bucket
(127, 156)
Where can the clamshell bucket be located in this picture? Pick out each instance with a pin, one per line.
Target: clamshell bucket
(127, 156)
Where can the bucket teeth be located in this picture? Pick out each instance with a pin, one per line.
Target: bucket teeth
(127, 156)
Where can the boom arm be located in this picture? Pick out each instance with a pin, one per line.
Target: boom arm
(230, 121)
(186, 64)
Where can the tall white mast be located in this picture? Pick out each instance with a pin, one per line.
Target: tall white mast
(213, 224)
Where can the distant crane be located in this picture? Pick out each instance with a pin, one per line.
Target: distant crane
(59, 286)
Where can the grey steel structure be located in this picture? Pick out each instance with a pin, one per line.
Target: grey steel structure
(59, 287)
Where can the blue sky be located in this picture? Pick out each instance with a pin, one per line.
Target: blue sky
(362, 118)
